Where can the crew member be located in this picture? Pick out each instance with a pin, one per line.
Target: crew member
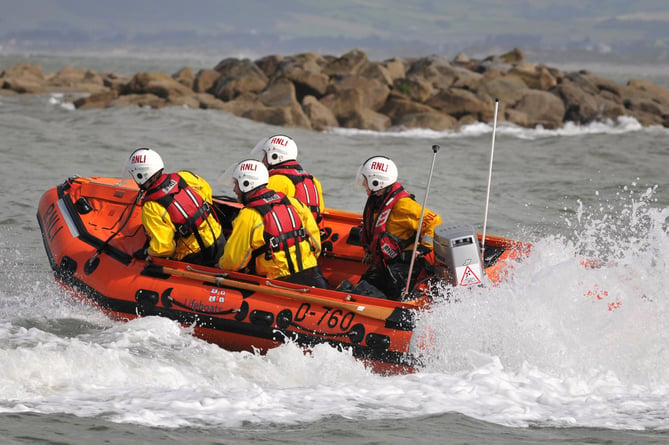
(177, 212)
(390, 221)
(286, 175)
(273, 235)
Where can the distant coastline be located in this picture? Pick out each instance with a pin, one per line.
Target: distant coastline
(620, 67)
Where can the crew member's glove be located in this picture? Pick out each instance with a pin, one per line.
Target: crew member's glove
(423, 250)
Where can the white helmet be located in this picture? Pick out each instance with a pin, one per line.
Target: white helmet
(279, 148)
(143, 164)
(379, 171)
(250, 174)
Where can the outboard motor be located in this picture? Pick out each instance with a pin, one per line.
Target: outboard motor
(457, 254)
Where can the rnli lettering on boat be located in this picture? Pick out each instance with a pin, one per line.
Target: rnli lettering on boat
(138, 159)
(381, 166)
(248, 167)
(279, 141)
(52, 222)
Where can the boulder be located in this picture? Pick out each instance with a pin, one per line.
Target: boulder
(458, 102)
(416, 89)
(289, 116)
(185, 77)
(519, 118)
(158, 84)
(436, 70)
(376, 71)
(22, 86)
(509, 89)
(97, 100)
(241, 104)
(71, 79)
(141, 100)
(395, 67)
(537, 77)
(583, 107)
(114, 81)
(204, 80)
(209, 102)
(23, 78)
(514, 57)
(238, 77)
(647, 102)
(347, 64)
(432, 120)
(280, 93)
(305, 73)
(366, 119)
(342, 104)
(373, 92)
(269, 64)
(592, 84)
(398, 106)
(320, 116)
(541, 108)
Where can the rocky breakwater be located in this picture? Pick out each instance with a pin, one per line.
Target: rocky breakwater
(318, 92)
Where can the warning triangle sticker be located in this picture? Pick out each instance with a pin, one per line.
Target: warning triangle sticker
(469, 278)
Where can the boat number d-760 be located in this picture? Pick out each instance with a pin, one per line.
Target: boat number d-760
(333, 317)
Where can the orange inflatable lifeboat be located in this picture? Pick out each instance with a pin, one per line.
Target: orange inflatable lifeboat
(92, 226)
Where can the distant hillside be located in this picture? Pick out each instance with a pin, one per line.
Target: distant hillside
(397, 26)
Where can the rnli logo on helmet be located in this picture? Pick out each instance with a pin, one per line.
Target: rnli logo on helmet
(138, 159)
(279, 141)
(248, 167)
(379, 166)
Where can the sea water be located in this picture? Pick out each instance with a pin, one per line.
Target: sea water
(560, 351)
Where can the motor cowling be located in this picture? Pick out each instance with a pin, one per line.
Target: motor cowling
(457, 254)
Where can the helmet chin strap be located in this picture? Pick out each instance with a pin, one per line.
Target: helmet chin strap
(384, 191)
(247, 195)
(244, 196)
(152, 180)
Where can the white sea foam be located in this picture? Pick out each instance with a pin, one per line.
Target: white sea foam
(623, 124)
(60, 100)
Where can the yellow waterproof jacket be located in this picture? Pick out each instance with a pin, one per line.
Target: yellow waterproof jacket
(282, 183)
(247, 235)
(404, 218)
(161, 230)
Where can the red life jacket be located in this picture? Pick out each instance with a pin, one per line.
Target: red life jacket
(282, 227)
(305, 188)
(383, 245)
(185, 206)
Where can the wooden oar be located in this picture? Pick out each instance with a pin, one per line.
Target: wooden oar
(375, 312)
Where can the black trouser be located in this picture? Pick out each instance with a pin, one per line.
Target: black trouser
(210, 255)
(308, 277)
(392, 279)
